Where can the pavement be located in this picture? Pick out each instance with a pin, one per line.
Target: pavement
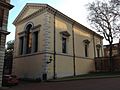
(84, 78)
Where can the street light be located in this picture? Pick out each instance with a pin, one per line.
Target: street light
(50, 59)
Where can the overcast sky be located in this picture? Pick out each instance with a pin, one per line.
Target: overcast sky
(76, 9)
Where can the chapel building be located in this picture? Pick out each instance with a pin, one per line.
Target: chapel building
(49, 44)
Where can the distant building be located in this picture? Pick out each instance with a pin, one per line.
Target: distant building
(103, 63)
(49, 44)
(115, 49)
(4, 12)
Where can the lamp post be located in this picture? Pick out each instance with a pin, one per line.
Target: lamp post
(50, 60)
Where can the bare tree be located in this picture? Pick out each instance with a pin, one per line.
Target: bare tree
(105, 18)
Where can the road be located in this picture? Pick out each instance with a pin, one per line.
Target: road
(90, 84)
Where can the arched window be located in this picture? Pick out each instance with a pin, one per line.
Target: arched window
(28, 38)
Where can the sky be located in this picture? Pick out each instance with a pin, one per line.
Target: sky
(76, 9)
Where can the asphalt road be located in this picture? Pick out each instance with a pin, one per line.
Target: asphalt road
(91, 84)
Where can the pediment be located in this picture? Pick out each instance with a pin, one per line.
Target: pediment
(29, 9)
(28, 12)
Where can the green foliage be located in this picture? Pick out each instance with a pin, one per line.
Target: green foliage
(10, 45)
(9, 49)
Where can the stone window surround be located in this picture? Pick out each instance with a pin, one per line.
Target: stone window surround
(65, 34)
(86, 48)
(98, 46)
(23, 34)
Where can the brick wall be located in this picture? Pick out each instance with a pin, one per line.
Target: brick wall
(103, 64)
(2, 51)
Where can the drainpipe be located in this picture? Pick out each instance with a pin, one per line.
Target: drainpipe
(94, 44)
(73, 51)
(94, 50)
(101, 47)
(54, 62)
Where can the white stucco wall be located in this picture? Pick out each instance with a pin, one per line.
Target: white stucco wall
(34, 64)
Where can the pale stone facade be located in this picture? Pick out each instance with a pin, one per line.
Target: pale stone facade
(4, 11)
(64, 47)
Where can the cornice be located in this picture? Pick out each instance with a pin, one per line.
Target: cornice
(75, 23)
(4, 32)
(6, 5)
(54, 11)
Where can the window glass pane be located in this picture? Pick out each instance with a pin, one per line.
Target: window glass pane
(36, 41)
(29, 39)
(64, 45)
(21, 45)
(98, 52)
(29, 42)
(86, 50)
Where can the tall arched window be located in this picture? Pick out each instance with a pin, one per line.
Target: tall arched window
(28, 38)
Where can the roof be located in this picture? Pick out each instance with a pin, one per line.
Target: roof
(53, 11)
